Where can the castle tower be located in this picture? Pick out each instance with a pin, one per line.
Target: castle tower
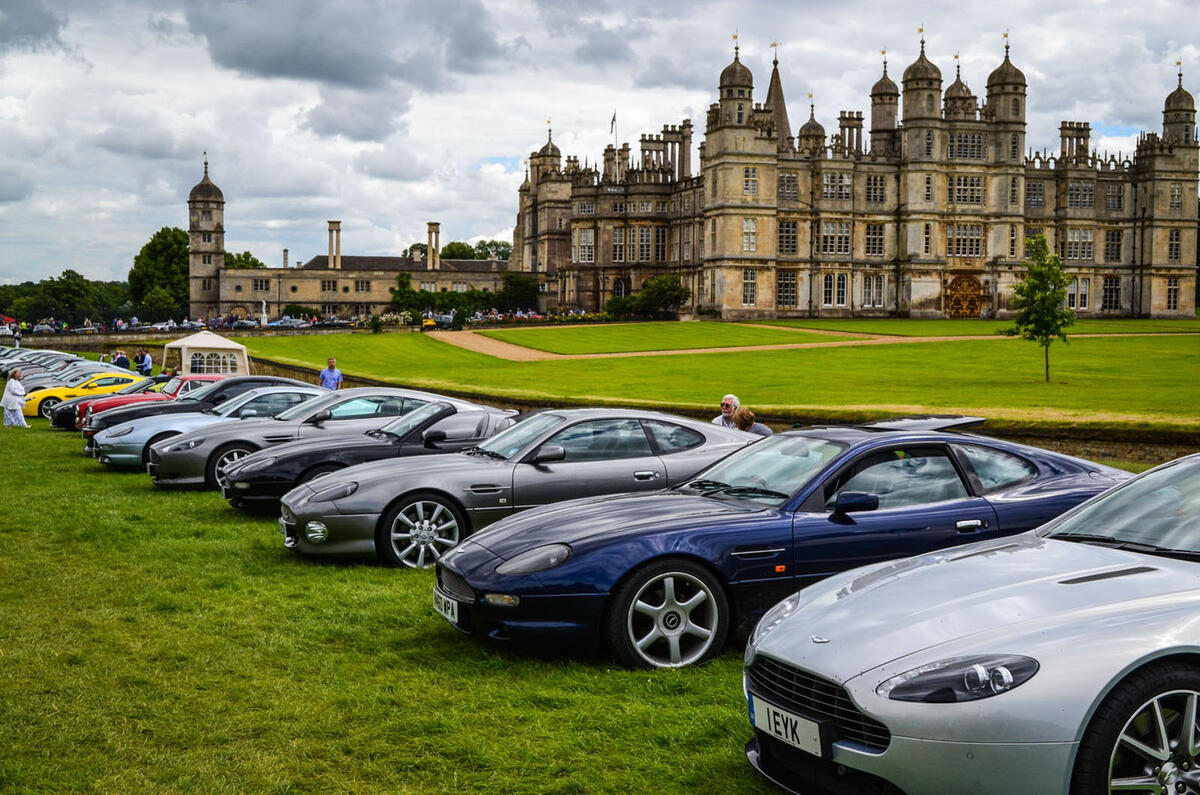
(1179, 116)
(736, 94)
(811, 137)
(1006, 107)
(885, 99)
(206, 245)
(959, 102)
(778, 106)
(546, 160)
(922, 90)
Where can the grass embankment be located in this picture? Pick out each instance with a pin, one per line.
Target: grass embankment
(1124, 383)
(901, 327)
(159, 642)
(669, 336)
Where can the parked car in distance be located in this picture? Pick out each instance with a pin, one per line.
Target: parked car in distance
(63, 416)
(42, 328)
(289, 322)
(333, 321)
(128, 444)
(176, 387)
(192, 325)
(663, 578)
(41, 402)
(1063, 660)
(199, 458)
(408, 512)
(84, 330)
(243, 323)
(437, 427)
(165, 325)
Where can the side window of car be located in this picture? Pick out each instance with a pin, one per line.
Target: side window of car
(901, 477)
(354, 409)
(392, 406)
(241, 387)
(412, 404)
(996, 469)
(671, 438)
(601, 440)
(268, 405)
(459, 427)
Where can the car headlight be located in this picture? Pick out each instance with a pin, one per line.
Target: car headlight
(775, 616)
(253, 466)
(338, 492)
(960, 679)
(121, 432)
(190, 444)
(536, 559)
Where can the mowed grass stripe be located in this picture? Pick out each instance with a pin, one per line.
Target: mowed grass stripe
(1125, 381)
(159, 642)
(664, 336)
(901, 327)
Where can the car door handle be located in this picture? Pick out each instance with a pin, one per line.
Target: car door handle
(969, 525)
(646, 475)
(756, 552)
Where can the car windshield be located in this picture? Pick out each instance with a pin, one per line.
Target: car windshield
(172, 386)
(513, 440)
(202, 392)
(769, 471)
(402, 426)
(308, 407)
(135, 387)
(79, 378)
(233, 404)
(1156, 512)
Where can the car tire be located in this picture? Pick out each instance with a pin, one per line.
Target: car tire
(46, 405)
(419, 529)
(316, 472)
(223, 455)
(153, 441)
(1128, 713)
(668, 614)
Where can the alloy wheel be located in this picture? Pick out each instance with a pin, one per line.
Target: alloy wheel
(672, 620)
(225, 460)
(47, 406)
(1156, 752)
(422, 531)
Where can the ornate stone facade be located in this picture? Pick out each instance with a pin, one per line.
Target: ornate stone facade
(925, 217)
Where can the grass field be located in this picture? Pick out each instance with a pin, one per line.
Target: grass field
(1111, 381)
(612, 338)
(955, 328)
(159, 642)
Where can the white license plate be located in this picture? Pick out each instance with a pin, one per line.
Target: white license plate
(448, 608)
(787, 726)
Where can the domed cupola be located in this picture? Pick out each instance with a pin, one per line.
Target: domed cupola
(922, 88)
(1179, 115)
(736, 94)
(922, 68)
(811, 136)
(549, 149)
(1005, 74)
(205, 190)
(885, 86)
(959, 101)
(736, 76)
(1180, 98)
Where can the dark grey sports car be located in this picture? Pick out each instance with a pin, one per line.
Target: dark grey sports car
(409, 511)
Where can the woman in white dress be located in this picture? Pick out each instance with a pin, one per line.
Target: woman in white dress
(13, 402)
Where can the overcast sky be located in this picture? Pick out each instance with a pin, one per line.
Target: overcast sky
(390, 113)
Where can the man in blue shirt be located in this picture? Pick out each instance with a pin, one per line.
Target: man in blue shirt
(331, 377)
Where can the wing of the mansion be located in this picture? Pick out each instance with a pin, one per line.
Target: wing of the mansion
(925, 215)
(336, 285)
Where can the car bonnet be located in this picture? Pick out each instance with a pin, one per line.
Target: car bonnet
(994, 588)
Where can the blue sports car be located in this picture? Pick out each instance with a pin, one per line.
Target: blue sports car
(661, 578)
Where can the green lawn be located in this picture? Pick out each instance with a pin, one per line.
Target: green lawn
(671, 336)
(159, 642)
(1108, 381)
(960, 328)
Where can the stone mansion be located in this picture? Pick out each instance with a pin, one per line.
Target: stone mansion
(924, 214)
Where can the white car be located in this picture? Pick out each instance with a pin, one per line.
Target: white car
(1063, 660)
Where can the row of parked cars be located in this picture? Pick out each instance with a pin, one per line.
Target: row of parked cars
(925, 610)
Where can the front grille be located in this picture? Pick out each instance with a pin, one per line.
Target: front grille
(817, 699)
(453, 584)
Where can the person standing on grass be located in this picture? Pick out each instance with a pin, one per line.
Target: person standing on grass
(729, 404)
(330, 377)
(13, 401)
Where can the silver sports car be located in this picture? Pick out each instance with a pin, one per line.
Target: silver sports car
(1063, 660)
(410, 511)
(198, 458)
(128, 443)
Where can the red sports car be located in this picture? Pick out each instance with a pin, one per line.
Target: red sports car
(178, 386)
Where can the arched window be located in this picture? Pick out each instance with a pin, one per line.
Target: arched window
(1016, 107)
(618, 288)
(740, 113)
(929, 102)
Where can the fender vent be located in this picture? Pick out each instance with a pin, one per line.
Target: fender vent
(1107, 575)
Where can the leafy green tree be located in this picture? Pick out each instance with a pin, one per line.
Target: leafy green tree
(69, 297)
(375, 324)
(243, 261)
(299, 310)
(416, 250)
(661, 297)
(493, 249)
(625, 306)
(517, 291)
(158, 304)
(1040, 299)
(162, 263)
(456, 249)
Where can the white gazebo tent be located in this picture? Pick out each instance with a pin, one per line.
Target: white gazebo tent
(205, 352)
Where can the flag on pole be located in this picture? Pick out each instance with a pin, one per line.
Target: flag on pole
(613, 124)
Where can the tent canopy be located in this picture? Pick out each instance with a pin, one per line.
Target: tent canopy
(205, 352)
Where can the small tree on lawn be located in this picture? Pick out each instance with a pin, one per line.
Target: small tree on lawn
(1040, 299)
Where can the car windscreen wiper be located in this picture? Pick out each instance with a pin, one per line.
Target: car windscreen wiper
(489, 453)
(1084, 538)
(707, 486)
(753, 491)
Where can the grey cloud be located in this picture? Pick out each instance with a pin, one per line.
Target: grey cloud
(147, 141)
(603, 46)
(28, 25)
(662, 72)
(392, 162)
(15, 186)
(357, 115)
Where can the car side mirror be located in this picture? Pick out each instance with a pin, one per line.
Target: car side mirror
(319, 418)
(550, 452)
(854, 502)
(432, 437)
(89, 386)
(220, 398)
(248, 413)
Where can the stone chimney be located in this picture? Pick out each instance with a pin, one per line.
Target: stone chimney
(285, 258)
(433, 246)
(335, 249)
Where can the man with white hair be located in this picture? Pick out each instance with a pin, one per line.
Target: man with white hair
(729, 404)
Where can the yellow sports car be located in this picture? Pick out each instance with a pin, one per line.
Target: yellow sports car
(42, 400)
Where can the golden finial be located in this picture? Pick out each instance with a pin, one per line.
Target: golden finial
(1179, 63)
(921, 30)
(735, 44)
(775, 46)
(1006, 42)
(883, 52)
